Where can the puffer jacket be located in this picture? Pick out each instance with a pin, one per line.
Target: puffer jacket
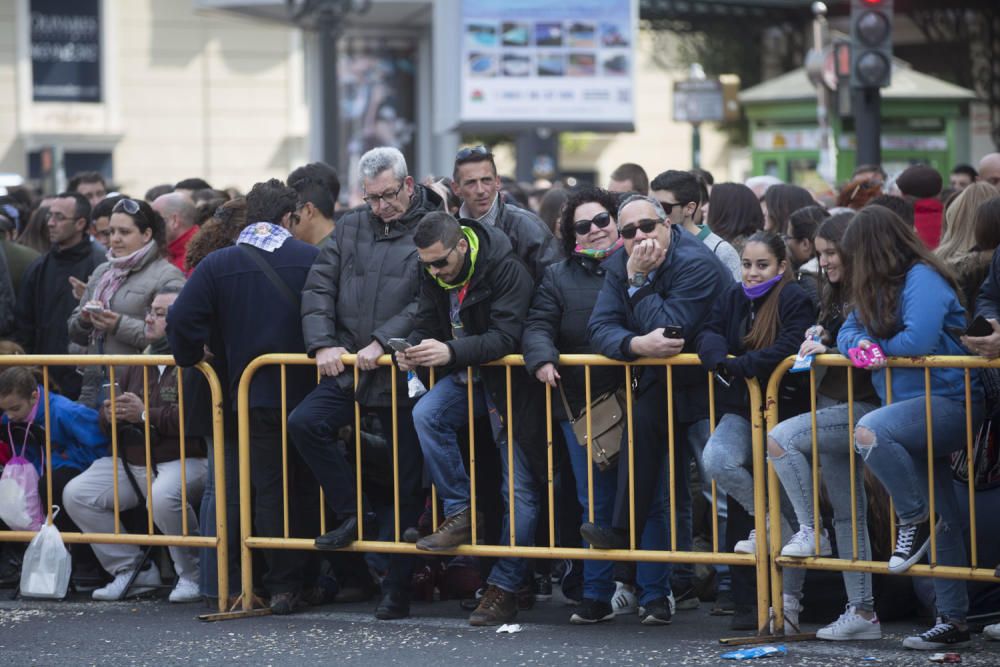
(363, 287)
(557, 324)
(531, 239)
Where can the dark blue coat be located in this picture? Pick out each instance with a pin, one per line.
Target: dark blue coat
(228, 298)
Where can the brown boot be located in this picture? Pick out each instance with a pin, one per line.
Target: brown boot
(455, 531)
(497, 606)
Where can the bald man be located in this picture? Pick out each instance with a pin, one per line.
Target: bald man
(989, 169)
(180, 215)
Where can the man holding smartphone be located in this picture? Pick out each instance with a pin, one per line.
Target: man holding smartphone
(665, 279)
(359, 294)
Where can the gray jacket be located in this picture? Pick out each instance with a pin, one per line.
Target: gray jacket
(363, 287)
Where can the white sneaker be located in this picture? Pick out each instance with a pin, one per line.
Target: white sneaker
(850, 626)
(186, 590)
(792, 608)
(146, 582)
(624, 600)
(747, 546)
(803, 544)
(992, 632)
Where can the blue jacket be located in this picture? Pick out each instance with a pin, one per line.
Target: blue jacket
(229, 299)
(682, 292)
(928, 306)
(77, 439)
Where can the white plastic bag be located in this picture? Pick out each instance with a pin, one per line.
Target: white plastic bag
(20, 505)
(46, 567)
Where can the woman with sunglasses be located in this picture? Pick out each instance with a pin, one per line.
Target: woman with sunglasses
(111, 316)
(557, 324)
(759, 322)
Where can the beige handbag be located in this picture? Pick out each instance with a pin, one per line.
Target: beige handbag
(607, 422)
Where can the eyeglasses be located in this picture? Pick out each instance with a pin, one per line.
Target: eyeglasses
(439, 263)
(602, 220)
(466, 153)
(646, 226)
(387, 196)
(130, 206)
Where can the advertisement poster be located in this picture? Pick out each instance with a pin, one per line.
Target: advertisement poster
(65, 51)
(552, 63)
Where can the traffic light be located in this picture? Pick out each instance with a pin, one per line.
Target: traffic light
(871, 43)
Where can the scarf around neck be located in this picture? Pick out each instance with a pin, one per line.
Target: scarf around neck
(473, 241)
(118, 271)
(599, 253)
(756, 291)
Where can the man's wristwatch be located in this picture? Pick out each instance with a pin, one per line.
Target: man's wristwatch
(142, 417)
(638, 279)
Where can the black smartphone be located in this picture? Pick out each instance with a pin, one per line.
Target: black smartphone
(723, 376)
(673, 331)
(980, 327)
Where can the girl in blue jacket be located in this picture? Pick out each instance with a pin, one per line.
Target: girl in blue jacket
(905, 300)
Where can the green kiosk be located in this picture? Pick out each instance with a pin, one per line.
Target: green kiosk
(924, 119)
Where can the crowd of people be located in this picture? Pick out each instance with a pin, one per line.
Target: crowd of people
(450, 274)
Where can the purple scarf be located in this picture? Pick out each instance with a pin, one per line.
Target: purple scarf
(756, 291)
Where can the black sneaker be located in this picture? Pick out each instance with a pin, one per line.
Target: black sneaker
(543, 587)
(658, 612)
(944, 634)
(912, 540)
(571, 582)
(592, 611)
(600, 537)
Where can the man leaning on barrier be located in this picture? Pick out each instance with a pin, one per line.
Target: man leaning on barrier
(474, 298)
(665, 281)
(360, 293)
(89, 498)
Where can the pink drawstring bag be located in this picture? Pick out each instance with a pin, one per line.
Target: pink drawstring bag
(20, 504)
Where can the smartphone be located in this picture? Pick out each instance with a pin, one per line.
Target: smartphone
(399, 344)
(108, 388)
(673, 331)
(93, 307)
(723, 376)
(980, 327)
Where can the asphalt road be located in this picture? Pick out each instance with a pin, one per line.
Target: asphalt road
(154, 632)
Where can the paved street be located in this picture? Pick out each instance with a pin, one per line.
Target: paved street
(153, 632)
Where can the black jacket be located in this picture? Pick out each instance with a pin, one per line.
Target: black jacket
(557, 324)
(492, 313)
(731, 320)
(363, 287)
(531, 239)
(45, 303)
(682, 293)
(988, 301)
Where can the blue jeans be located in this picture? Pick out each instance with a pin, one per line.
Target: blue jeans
(653, 579)
(898, 458)
(698, 435)
(438, 416)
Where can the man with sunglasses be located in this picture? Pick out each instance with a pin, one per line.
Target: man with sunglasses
(666, 280)
(46, 300)
(476, 183)
(474, 298)
(360, 293)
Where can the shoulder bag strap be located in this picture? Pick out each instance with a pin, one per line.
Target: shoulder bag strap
(272, 275)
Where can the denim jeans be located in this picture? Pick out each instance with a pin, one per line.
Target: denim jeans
(438, 416)
(598, 575)
(793, 468)
(898, 458)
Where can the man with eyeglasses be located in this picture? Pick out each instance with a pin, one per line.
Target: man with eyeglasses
(361, 293)
(474, 298)
(46, 300)
(476, 183)
(655, 299)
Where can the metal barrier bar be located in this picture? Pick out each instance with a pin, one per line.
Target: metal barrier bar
(854, 564)
(218, 542)
(758, 560)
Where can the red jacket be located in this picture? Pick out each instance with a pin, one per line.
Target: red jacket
(177, 249)
(927, 214)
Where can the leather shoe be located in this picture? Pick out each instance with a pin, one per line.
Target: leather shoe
(347, 532)
(603, 538)
(454, 531)
(392, 606)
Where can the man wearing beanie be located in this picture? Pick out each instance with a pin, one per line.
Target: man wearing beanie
(921, 186)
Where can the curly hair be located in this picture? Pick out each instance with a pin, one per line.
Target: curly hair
(578, 197)
(220, 231)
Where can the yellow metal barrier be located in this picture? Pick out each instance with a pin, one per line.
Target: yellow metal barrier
(853, 564)
(185, 539)
(758, 560)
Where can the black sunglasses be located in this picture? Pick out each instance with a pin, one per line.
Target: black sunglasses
(646, 225)
(602, 220)
(441, 262)
(466, 153)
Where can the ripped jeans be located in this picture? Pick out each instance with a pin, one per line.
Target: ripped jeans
(898, 458)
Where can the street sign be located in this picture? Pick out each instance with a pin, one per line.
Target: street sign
(698, 101)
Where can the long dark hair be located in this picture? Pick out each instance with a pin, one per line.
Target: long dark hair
(879, 249)
(832, 294)
(767, 322)
(734, 212)
(782, 200)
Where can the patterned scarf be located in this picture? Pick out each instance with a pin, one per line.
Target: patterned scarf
(118, 272)
(599, 254)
